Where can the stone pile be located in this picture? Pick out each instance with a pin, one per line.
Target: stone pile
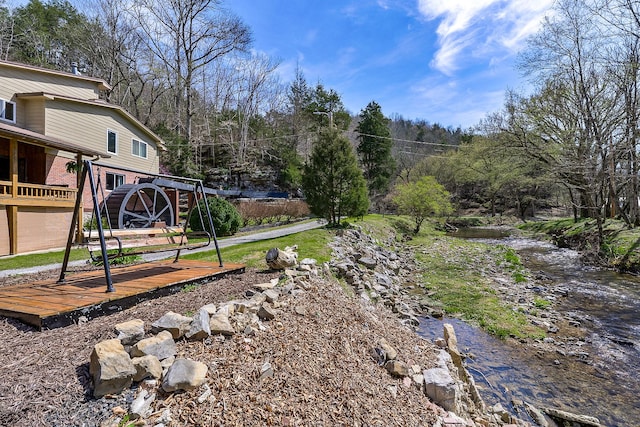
(150, 361)
(378, 274)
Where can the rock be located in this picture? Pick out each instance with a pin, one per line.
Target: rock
(311, 262)
(440, 387)
(502, 414)
(219, 324)
(141, 406)
(264, 286)
(249, 306)
(536, 415)
(205, 395)
(147, 367)
(266, 312)
(368, 262)
(166, 363)
(209, 308)
(440, 342)
(258, 298)
(130, 332)
(161, 346)
(397, 368)
(184, 374)
(452, 420)
(271, 295)
(200, 327)
(393, 390)
(418, 380)
(266, 371)
(452, 346)
(583, 420)
(165, 417)
(281, 259)
(301, 310)
(111, 368)
(383, 280)
(389, 351)
(227, 309)
(175, 323)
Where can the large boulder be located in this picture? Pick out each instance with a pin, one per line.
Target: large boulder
(130, 332)
(111, 368)
(200, 327)
(162, 346)
(147, 367)
(175, 323)
(184, 374)
(440, 387)
(278, 259)
(220, 324)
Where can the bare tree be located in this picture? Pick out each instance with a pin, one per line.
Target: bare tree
(572, 121)
(6, 31)
(188, 35)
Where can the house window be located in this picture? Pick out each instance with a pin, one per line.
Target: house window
(114, 180)
(139, 149)
(112, 142)
(8, 111)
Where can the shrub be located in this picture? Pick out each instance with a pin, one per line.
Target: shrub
(257, 212)
(226, 219)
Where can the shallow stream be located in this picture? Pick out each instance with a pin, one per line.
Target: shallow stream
(602, 379)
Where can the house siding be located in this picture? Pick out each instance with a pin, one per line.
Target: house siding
(19, 80)
(4, 231)
(88, 124)
(30, 114)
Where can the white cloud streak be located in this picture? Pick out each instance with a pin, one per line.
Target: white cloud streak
(480, 27)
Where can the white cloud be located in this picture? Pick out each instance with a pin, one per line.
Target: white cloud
(483, 28)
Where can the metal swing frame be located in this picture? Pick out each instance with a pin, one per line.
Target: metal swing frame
(189, 184)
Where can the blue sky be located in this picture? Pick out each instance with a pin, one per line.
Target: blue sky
(444, 61)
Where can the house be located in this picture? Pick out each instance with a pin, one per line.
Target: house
(49, 121)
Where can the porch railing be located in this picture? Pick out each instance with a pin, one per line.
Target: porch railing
(37, 195)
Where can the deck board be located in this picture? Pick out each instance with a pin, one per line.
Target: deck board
(48, 304)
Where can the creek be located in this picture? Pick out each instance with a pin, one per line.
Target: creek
(600, 311)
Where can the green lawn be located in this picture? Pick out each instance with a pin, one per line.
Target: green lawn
(311, 244)
(33, 260)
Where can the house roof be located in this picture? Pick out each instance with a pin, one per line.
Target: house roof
(99, 103)
(102, 85)
(10, 131)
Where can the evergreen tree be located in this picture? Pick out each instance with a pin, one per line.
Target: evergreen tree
(332, 181)
(49, 34)
(326, 107)
(375, 148)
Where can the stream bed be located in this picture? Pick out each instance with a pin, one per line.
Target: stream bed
(602, 379)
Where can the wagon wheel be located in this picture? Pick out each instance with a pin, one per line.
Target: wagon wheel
(139, 206)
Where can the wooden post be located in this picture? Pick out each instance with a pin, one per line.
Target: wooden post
(12, 211)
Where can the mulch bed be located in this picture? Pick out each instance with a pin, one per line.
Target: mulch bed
(323, 371)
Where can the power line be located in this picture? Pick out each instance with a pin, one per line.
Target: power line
(439, 144)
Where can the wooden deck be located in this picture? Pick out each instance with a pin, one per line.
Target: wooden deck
(48, 304)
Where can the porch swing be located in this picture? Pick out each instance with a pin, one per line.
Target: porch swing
(137, 219)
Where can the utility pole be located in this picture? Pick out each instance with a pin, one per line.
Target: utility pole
(328, 114)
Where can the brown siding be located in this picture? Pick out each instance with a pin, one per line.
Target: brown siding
(43, 228)
(4, 231)
(38, 229)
